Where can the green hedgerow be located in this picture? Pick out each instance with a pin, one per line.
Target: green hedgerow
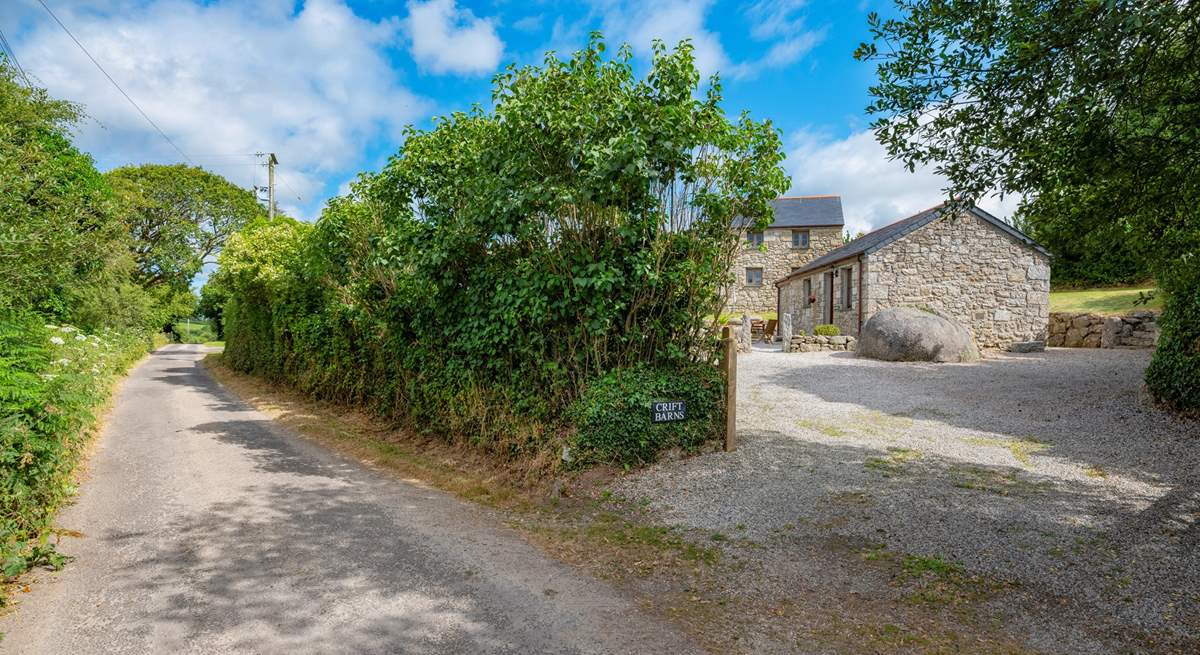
(613, 416)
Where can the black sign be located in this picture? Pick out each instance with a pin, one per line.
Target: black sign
(672, 410)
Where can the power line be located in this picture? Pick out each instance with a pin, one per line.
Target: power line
(114, 83)
(13, 55)
(289, 187)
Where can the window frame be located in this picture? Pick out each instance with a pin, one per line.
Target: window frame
(760, 276)
(755, 238)
(806, 287)
(807, 239)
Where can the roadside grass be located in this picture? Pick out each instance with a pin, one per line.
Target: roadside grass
(1021, 449)
(827, 429)
(1102, 301)
(895, 462)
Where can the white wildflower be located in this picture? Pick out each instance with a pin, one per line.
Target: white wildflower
(51, 327)
(80, 337)
(62, 362)
(57, 341)
(68, 328)
(48, 376)
(95, 370)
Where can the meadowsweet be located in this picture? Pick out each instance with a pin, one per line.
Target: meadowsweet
(62, 362)
(51, 327)
(67, 328)
(80, 337)
(57, 341)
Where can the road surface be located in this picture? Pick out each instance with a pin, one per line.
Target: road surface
(209, 529)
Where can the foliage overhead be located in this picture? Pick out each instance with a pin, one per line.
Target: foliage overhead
(1089, 109)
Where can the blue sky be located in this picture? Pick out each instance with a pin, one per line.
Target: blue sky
(330, 84)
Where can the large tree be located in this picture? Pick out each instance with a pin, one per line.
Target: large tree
(179, 217)
(58, 232)
(1090, 109)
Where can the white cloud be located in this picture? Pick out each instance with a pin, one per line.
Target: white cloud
(446, 39)
(874, 190)
(774, 23)
(225, 77)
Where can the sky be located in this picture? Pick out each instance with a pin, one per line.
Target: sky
(329, 85)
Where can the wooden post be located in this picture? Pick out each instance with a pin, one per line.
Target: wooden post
(729, 368)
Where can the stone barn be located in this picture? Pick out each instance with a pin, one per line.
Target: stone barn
(805, 227)
(968, 266)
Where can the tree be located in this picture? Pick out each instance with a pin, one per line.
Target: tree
(58, 231)
(1090, 109)
(179, 217)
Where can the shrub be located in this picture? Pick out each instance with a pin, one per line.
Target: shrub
(613, 419)
(1174, 372)
(51, 379)
(505, 260)
(826, 330)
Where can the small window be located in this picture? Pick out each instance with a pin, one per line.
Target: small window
(799, 238)
(754, 238)
(847, 288)
(754, 277)
(808, 294)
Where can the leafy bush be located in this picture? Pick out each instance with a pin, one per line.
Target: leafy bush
(504, 260)
(1174, 371)
(51, 378)
(613, 418)
(826, 330)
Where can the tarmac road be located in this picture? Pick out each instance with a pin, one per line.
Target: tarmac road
(209, 529)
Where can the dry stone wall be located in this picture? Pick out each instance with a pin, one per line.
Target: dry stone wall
(776, 257)
(808, 344)
(1073, 330)
(969, 270)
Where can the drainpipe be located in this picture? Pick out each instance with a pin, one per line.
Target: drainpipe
(860, 296)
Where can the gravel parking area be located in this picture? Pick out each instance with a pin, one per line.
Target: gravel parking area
(1048, 472)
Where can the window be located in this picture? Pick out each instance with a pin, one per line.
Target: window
(754, 238)
(754, 277)
(847, 288)
(799, 238)
(808, 294)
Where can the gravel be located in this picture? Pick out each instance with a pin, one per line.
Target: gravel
(1049, 470)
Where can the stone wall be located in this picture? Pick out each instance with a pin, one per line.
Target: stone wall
(1136, 330)
(808, 344)
(806, 315)
(777, 258)
(969, 270)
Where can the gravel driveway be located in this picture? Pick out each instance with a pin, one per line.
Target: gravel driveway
(1046, 471)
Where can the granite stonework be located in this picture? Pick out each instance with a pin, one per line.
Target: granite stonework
(777, 258)
(958, 265)
(1073, 330)
(810, 344)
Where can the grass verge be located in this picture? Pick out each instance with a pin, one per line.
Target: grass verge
(1103, 301)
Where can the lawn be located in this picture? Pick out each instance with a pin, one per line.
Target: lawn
(1102, 301)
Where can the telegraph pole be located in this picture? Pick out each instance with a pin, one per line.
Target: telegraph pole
(271, 162)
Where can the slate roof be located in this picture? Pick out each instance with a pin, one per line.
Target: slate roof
(869, 243)
(805, 211)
